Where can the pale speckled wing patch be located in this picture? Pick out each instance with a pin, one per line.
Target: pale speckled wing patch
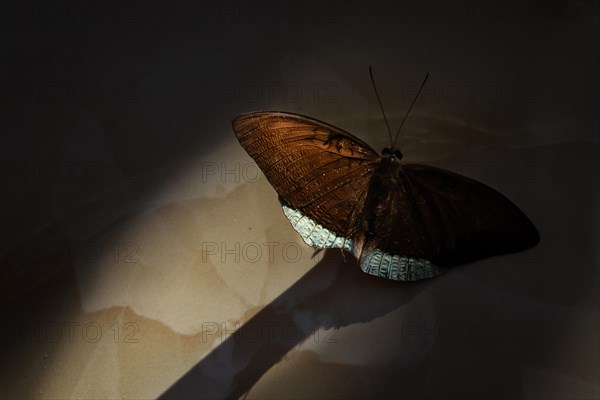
(397, 267)
(373, 262)
(315, 234)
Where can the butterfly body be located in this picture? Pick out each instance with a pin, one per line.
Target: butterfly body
(401, 221)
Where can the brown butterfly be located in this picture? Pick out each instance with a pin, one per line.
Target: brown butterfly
(401, 221)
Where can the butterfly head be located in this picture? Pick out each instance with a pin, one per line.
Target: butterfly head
(392, 153)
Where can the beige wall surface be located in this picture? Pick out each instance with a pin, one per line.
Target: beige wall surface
(144, 255)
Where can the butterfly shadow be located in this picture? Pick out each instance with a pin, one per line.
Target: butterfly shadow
(333, 294)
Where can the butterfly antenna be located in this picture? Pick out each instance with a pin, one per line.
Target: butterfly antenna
(380, 105)
(410, 108)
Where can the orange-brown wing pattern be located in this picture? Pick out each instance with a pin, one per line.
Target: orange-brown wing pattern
(317, 169)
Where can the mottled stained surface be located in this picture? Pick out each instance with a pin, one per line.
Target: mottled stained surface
(124, 214)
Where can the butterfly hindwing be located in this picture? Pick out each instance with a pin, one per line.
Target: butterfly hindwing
(466, 220)
(418, 220)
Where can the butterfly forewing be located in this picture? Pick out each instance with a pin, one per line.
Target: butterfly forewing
(316, 168)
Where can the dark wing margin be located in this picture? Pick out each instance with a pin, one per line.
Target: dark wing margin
(317, 169)
(464, 220)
